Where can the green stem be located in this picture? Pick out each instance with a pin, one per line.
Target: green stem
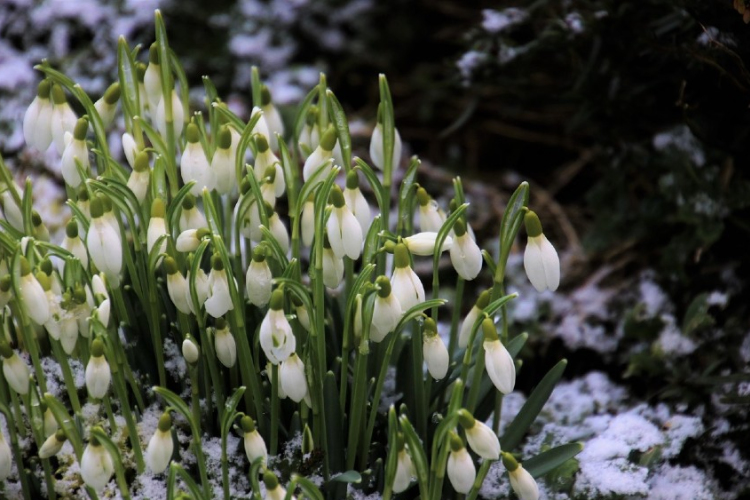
(456, 317)
(194, 394)
(70, 385)
(275, 410)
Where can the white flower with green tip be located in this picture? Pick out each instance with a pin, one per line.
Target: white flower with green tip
(540, 258)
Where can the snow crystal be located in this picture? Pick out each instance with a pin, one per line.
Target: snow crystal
(717, 298)
(469, 62)
(680, 483)
(671, 340)
(651, 295)
(615, 477)
(681, 139)
(679, 429)
(495, 21)
(574, 21)
(14, 68)
(711, 34)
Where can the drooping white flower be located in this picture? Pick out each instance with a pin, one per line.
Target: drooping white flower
(540, 259)
(276, 336)
(201, 290)
(190, 216)
(255, 446)
(279, 231)
(333, 267)
(377, 146)
(49, 424)
(33, 299)
(190, 239)
(102, 314)
(424, 243)
(481, 438)
(219, 299)
(68, 333)
(40, 230)
(224, 344)
(476, 310)
(98, 373)
(194, 165)
(52, 445)
(76, 149)
(73, 244)
(178, 116)
(11, 210)
(62, 119)
(190, 350)
(259, 279)
(321, 156)
(223, 161)
(99, 287)
(266, 159)
(434, 351)
(309, 137)
(104, 245)
(520, 480)
(272, 116)
(356, 201)
(160, 446)
(497, 360)
(6, 460)
(96, 465)
(344, 232)
(15, 370)
(292, 378)
(267, 186)
(303, 316)
(177, 286)
(386, 310)
(130, 148)
(37, 122)
(466, 256)
(140, 176)
(404, 281)
(430, 216)
(461, 469)
(157, 226)
(261, 126)
(405, 470)
(106, 105)
(307, 222)
(152, 79)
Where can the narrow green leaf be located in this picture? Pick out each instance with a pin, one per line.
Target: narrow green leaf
(338, 117)
(418, 455)
(372, 240)
(334, 422)
(375, 184)
(550, 459)
(350, 476)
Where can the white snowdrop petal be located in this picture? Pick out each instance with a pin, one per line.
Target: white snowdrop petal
(500, 366)
(219, 300)
(96, 466)
(461, 471)
(551, 263)
(16, 374)
(436, 356)
(404, 472)
(159, 451)
(334, 232)
(483, 441)
(351, 233)
(532, 263)
(98, 376)
(292, 378)
(255, 447)
(524, 484)
(226, 348)
(34, 300)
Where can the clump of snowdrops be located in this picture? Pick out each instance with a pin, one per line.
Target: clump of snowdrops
(251, 245)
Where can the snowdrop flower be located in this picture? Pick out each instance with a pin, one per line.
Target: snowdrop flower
(177, 286)
(223, 161)
(255, 447)
(178, 116)
(434, 351)
(333, 267)
(130, 148)
(319, 158)
(103, 243)
(431, 217)
(461, 470)
(272, 116)
(274, 491)
(152, 79)
(356, 201)
(276, 337)
(301, 311)
(6, 460)
(251, 219)
(377, 145)
(191, 239)
(278, 229)
(201, 290)
(63, 119)
(405, 469)
(226, 347)
(466, 256)
(11, 211)
(40, 230)
(292, 378)
(15, 370)
(96, 465)
(73, 244)
(267, 186)
(107, 104)
(540, 258)
(102, 314)
(471, 318)
(264, 160)
(261, 126)
(258, 280)
(99, 287)
(497, 359)
(190, 216)
(157, 226)
(52, 445)
(76, 149)
(309, 136)
(160, 446)
(481, 438)
(194, 165)
(520, 480)
(307, 223)
(424, 243)
(33, 299)
(386, 311)
(344, 232)
(98, 374)
(190, 350)
(405, 282)
(140, 176)
(219, 300)
(37, 122)
(49, 424)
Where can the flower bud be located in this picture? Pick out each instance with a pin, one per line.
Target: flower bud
(356, 201)
(377, 145)
(178, 116)
(461, 470)
(434, 351)
(540, 258)
(498, 361)
(62, 119)
(98, 374)
(405, 282)
(33, 298)
(96, 465)
(106, 105)
(160, 446)
(190, 350)
(258, 280)
(424, 243)
(276, 336)
(37, 129)
(104, 245)
(344, 232)
(15, 370)
(255, 447)
(520, 480)
(308, 222)
(76, 151)
(405, 469)
(52, 445)
(190, 240)
(466, 256)
(481, 438)
(224, 344)
(292, 378)
(386, 312)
